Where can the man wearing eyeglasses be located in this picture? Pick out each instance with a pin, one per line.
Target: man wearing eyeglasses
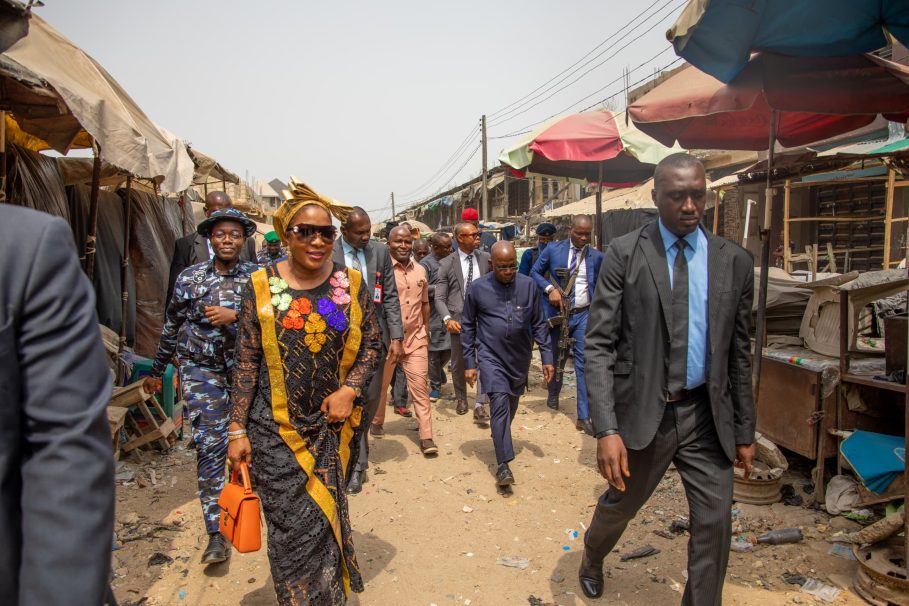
(502, 317)
(457, 273)
(193, 248)
(200, 330)
(356, 250)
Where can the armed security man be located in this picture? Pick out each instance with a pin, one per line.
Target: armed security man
(502, 316)
(569, 299)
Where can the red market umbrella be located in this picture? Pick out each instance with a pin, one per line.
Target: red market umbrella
(590, 145)
(793, 100)
(814, 98)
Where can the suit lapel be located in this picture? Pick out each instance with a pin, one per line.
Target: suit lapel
(459, 274)
(718, 277)
(370, 253)
(200, 249)
(337, 254)
(651, 244)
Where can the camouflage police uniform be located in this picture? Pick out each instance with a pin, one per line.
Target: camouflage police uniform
(205, 354)
(263, 258)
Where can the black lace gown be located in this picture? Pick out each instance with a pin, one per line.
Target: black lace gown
(311, 560)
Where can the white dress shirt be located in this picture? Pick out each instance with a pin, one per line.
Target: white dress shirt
(580, 283)
(465, 266)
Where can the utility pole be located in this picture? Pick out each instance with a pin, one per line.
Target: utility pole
(484, 210)
(392, 206)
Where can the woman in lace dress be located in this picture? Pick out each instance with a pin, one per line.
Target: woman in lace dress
(308, 340)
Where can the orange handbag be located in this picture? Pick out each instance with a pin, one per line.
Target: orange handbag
(240, 518)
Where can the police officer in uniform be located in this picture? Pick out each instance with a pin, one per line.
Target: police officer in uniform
(545, 232)
(200, 329)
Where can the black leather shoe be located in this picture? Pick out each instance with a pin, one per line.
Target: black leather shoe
(584, 425)
(504, 477)
(461, 408)
(553, 402)
(590, 577)
(217, 550)
(354, 482)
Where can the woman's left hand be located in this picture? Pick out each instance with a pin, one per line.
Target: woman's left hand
(339, 404)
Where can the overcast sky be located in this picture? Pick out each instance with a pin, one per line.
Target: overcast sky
(360, 99)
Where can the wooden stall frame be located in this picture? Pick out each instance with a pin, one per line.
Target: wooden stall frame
(891, 185)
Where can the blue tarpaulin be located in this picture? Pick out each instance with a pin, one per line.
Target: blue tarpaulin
(877, 458)
(718, 36)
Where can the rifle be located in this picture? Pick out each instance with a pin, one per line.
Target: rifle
(566, 342)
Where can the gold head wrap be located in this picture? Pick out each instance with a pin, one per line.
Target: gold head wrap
(298, 196)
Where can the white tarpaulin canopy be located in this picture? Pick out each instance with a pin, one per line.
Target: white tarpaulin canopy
(626, 197)
(128, 138)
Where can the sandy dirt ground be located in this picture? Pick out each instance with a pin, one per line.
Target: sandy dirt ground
(436, 531)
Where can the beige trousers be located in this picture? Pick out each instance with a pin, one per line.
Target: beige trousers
(416, 369)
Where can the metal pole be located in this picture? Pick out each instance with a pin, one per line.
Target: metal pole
(90, 246)
(2, 156)
(598, 241)
(392, 206)
(484, 210)
(761, 328)
(124, 264)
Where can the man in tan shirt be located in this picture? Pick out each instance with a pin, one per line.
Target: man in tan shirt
(413, 296)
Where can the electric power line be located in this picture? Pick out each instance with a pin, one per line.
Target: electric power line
(447, 183)
(536, 100)
(445, 165)
(608, 38)
(526, 129)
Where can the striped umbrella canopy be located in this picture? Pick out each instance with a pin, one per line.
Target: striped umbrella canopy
(596, 146)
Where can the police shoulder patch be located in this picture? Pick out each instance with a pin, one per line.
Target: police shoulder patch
(199, 276)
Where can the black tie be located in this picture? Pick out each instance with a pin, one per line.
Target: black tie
(678, 349)
(469, 273)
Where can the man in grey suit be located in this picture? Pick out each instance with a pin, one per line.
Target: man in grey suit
(453, 278)
(56, 465)
(193, 248)
(669, 377)
(355, 249)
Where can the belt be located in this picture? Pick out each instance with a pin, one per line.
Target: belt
(577, 310)
(685, 394)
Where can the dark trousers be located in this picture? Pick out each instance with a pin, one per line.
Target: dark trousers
(502, 408)
(399, 388)
(457, 372)
(577, 326)
(371, 395)
(437, 362)
(687, 437)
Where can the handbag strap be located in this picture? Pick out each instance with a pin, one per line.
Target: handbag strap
(241, 473)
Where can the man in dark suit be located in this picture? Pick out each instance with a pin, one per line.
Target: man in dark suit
(669, 367)
(193, 248)
(454, 276)
(56, 466)
(439, 340)
(581, 263)
(354, 249)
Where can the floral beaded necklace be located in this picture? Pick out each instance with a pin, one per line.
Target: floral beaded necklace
(299, 314)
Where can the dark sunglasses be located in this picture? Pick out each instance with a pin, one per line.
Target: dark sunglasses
(304, 232)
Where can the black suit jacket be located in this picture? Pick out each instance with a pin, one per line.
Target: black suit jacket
(449, 285)
(56, 465)
(627, 343)
(192, 249)
(378, 259)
